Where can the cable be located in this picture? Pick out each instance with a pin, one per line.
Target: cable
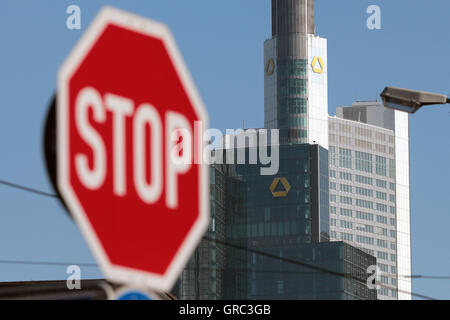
(23, 188)
(16, 186)
(46, 263)
(339, 274)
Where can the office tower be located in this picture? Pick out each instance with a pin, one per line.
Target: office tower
(287, 216)
(369, 189)
(295, 80)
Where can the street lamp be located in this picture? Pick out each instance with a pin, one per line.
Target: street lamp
(410, 100)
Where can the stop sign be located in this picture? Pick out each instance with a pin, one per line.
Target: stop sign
(129, 141)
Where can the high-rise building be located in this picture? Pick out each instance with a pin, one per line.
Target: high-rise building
(286, 216)
(342, 178)
(369, 189)
(295, 82)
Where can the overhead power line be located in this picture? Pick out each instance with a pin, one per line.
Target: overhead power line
(27, 189)
(310, 266)
(46, 194)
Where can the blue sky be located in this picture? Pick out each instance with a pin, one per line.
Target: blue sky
(222, 43)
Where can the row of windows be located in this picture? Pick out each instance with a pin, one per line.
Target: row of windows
(364, 216)
(363, 228)
(292, 86)
(361, 203)
(292, 122)
(292, 67)
(364, 192)
(385, 268)
(346, 188)
(364, 204)
(346, 212)
(363, 162)
(270, 229)
(292, 106)
(363, 180)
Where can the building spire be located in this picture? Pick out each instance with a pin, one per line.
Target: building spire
(292, 16)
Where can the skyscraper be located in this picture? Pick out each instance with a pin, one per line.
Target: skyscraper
(286, 216)
(295, 82)
(369, 189)
(342, 178)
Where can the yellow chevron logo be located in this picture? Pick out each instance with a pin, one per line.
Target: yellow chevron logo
(284, 183)
(317, 65)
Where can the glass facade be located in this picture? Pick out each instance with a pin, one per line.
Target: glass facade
(363, 162)
(287, 216)
(292, 89)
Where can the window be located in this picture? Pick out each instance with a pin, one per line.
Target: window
(332, 174)
(382, 255)
(346, 212)
(346, 236)
(391, 168)
(365, 228)
(382, 195)
(296, 122)
(381, 184)
(364, 204)
(292, 106)
(382, 243)
(333, 186)
(333, 210)
(392, 198)
(346, 224)
(383, 267)
(292, 67)
(345, 176)
(364, 192)
(332, 198)
(364, 240)
(280, 286)
(346, 188)
(364, 180)
(364, 216)
(363, 161)
(332, 155)
(381, 207)
(382, 219)
(346, 200)
(381, 166)
(292, 86)
(345, 158)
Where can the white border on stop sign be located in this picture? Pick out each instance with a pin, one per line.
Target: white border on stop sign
(130, 21)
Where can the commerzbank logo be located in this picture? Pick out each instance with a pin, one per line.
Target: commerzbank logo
(317, 65)
(280, 187)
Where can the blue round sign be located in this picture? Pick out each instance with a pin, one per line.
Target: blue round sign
(133, 295)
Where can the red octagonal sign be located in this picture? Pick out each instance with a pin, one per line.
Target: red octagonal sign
(130, 124)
